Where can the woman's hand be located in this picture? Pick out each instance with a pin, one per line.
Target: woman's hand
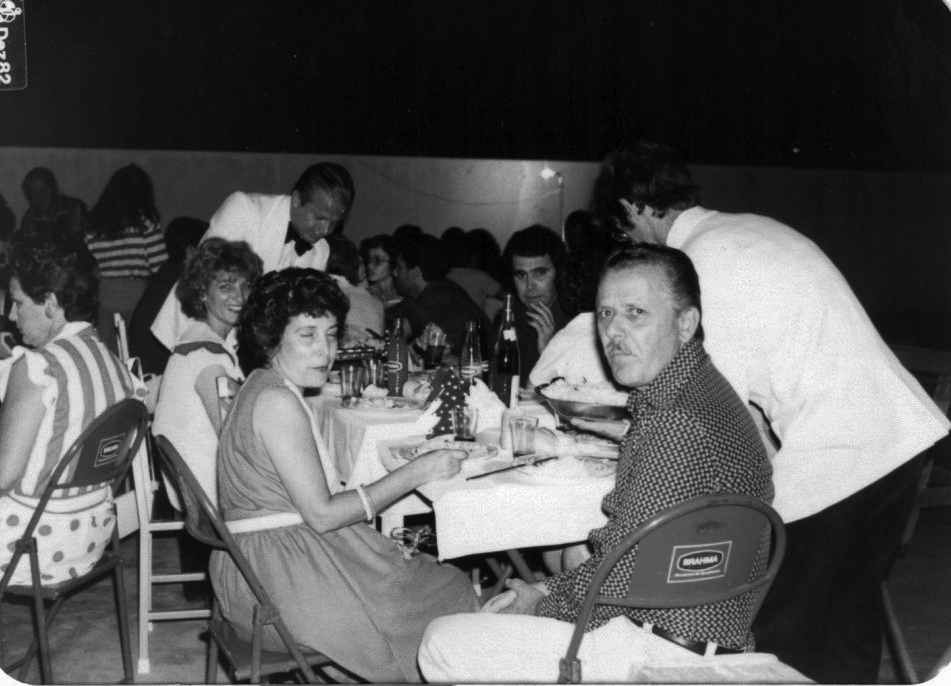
(520, 599)
(612, 429)
(437, 465)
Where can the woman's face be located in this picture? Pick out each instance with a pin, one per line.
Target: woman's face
(224, 299)
(31, 318)
(307, 350)
(378, 265)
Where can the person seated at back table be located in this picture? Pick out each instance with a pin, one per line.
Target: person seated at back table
(428, 296)
(690, 436)
(379, 257)
(49, 207)
(534, 257)
(365, 317)
(51, 392)
(341, 587)
(460, 250)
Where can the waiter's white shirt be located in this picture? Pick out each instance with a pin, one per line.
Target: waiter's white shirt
(262, 221)
(785, 329)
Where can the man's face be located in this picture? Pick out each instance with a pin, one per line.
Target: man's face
(639, 226)
(40, 195)
(534, 279)
(317, 218)
(639, 327)
(403, 278)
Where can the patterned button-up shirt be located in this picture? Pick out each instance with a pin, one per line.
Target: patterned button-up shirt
(690, 436)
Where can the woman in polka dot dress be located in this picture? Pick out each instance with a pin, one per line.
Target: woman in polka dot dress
(50, 393)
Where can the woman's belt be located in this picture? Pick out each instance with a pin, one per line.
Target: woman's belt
(272, 521)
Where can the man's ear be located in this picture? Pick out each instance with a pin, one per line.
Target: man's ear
(50, 305)
(295, 200)
(687, 322)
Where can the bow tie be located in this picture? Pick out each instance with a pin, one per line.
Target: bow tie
(300, 245)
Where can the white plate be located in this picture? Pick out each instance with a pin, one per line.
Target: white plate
(566, 469)
(398, 455)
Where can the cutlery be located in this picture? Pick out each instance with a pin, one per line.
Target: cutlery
(533, 463)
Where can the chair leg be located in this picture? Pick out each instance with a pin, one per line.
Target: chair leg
(40, 621)
(211, 664)
(896, 641)
(122, 616)
(256, 640)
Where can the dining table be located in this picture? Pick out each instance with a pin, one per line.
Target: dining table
(508, 511)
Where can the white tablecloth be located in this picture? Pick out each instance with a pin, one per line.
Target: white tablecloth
(486, 515)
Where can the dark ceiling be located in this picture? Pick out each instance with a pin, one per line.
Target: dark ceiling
(863, 84)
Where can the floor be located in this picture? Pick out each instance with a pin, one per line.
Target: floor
(85, 645)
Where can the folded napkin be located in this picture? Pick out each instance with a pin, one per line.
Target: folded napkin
(487, 403)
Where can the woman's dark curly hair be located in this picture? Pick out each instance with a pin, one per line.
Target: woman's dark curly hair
(127, 202)
(46, 261)
(213, 257)
(276, 298)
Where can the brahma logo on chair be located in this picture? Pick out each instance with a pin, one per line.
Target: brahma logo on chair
(109, 449)
(698, 562)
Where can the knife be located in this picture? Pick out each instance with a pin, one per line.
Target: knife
(514, 466)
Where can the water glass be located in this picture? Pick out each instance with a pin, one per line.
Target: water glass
(464, 420)
(523, 434)
(351, 379)
(435, 346)
(374, 372)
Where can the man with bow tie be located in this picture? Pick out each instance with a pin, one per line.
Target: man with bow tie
(284, 230)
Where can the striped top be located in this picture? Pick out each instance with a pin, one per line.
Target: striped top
(133, 255)
(80, 378)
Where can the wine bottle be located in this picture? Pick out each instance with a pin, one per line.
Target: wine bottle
(397, 362)
(483, 351)
(504, 369)
(470, 361)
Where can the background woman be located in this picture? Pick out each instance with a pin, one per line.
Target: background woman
(126, 238)
(379, 257)
(50, 394)
(212, 291)
(342, 588)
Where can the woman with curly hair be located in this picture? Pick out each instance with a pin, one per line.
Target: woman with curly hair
(341, 587)
(125, 236)
(212, 291)
(51, 391)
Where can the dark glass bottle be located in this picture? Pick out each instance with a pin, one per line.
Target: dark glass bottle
(397, 362)
(483, 351)
(505, 373)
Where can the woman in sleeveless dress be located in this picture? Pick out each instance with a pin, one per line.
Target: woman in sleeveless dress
(341, 587)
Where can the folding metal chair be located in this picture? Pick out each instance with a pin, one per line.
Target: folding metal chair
(100, 456)
(705, 550)
(246, 660)
(936, 366)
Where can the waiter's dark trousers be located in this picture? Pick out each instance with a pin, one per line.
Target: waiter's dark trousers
(823, 614)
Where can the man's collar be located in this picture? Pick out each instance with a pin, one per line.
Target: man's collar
(300, 245)
(670, 382)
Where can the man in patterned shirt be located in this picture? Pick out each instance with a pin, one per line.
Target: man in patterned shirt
(690, 435)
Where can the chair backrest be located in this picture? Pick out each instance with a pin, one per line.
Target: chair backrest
(204, 522)
(100, 455)
(924, 362)
(702, 551)
(122, 339)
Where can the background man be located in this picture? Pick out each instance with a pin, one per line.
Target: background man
(534, 258)
(690, 436)
(284, 230)
(48, 206)
(788, 333)
(419, 275)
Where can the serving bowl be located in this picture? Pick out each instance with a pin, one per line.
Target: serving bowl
(574, 409)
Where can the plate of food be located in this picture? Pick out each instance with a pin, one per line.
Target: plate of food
(385, 404)
(566, 468)
(586, 401)
(397, 455)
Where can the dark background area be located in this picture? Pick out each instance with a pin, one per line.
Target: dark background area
(845, 84)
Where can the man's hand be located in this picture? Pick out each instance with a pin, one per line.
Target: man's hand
(526, 598)
(612, 429)
(541, 319)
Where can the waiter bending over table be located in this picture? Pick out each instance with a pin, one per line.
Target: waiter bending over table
(691, 435)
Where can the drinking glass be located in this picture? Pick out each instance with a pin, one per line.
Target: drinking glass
(351, 379)
(374, 372)
(523, 434)
(464, 422)
(435, 346)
